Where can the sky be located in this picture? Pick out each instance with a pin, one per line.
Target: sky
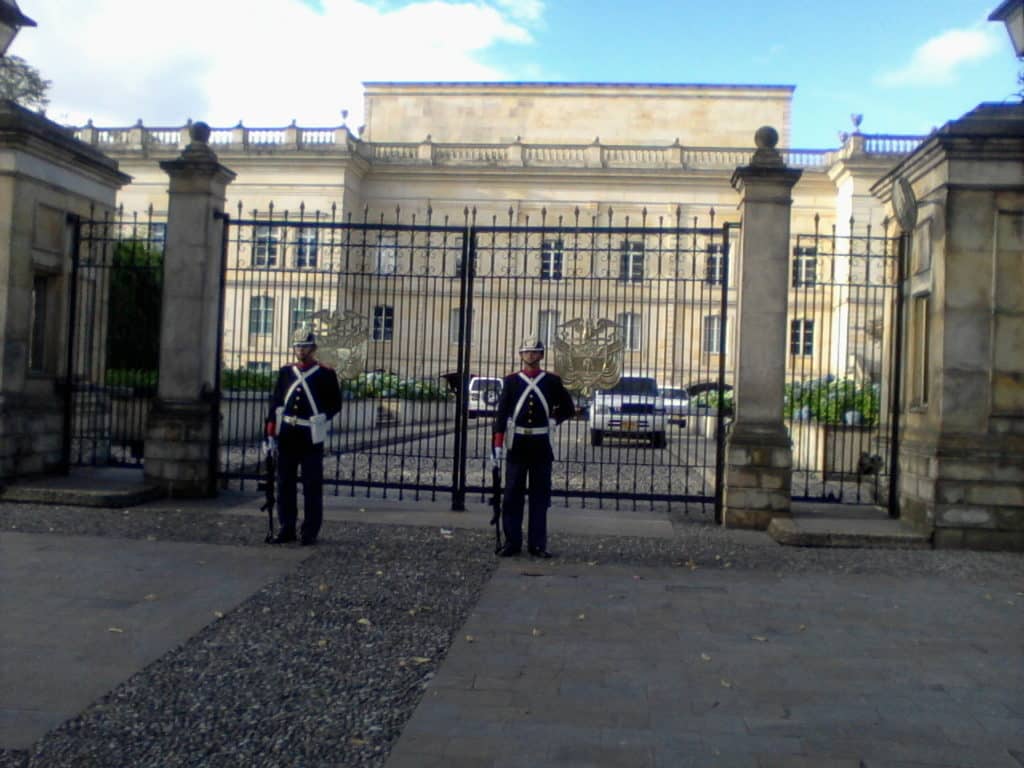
(907, 66)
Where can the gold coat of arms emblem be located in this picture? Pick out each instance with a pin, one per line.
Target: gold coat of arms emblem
(587, 354)
(342, 339)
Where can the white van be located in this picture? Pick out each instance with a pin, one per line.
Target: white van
(484, 393)
(633, 408)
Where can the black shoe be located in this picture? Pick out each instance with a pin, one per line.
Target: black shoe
(509, 551)
(307, 541)
(541, 553)
(284, 536)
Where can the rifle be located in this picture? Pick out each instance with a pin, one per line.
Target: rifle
(268, 487)
(496, 504)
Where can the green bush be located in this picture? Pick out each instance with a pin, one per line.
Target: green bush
(827, 400)
(136, 290)
(246, 380)
(137, 378)
(380, 384)
(710, 399)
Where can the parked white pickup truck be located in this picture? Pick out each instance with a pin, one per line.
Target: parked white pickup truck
(631, 409)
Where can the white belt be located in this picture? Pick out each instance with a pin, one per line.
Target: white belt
(532, 430)
(296, 421)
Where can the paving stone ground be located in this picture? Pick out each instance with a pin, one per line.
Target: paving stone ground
(605, 665)
(650, 641)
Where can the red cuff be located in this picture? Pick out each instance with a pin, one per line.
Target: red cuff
(499, 439)
(271, 429)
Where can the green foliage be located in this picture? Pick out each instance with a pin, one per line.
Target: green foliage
(136, 289)
(828, 400)
(710, 399)
(246, 380)
(21, 82)
(380, 384)
(143, 381)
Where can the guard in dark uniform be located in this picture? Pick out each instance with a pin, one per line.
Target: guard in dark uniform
(532, 403)
(305, 400)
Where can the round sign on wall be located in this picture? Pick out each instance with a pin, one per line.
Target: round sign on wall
(904, 202)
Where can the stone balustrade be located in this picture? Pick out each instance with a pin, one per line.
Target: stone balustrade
(139, 139)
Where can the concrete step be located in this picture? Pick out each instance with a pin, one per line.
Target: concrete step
(96, 487)
(818, 531)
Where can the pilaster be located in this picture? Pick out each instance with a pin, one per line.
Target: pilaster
(758, 461)
(180, 435)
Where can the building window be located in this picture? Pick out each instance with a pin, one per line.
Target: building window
(300, 310)
(387, 255)
(801, 337)
(265, 243)
(383, 323)
(805, 266)
(547, 325)
(712, 336)
(306, 248)
(37, 340)
(715, 264)
(261, 314)
(157, 236)
(453, 324)
(919, 380)
(631, 262)
(551, 260)
(629, 330)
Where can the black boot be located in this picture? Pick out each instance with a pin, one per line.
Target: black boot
(285, 536)
(509, 551)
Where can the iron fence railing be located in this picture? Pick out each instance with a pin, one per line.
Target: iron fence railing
(411, 311)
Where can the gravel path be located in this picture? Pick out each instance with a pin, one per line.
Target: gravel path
(325, 666)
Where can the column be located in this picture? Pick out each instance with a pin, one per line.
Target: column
(759, 458)
(181, 434)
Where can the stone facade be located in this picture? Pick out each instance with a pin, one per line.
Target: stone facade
(962, 445)
(517, 153)
(45, 176)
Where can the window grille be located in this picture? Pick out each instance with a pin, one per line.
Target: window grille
(261, 314)
(383, 323)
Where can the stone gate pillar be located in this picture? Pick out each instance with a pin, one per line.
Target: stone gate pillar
(180, 436)
(759, 457)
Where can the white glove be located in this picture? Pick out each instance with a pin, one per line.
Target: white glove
(497, 455)
(270, 446)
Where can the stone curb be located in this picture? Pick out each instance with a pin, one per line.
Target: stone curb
(874, 534)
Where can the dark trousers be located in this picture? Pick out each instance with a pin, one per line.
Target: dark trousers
(533, 479)
(296, 451)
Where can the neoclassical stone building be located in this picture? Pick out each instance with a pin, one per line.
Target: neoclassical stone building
(562, 155)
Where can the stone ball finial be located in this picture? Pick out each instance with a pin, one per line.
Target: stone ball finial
(199, 132)
(766, 137)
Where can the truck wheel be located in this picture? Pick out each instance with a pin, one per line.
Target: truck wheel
(596, 437)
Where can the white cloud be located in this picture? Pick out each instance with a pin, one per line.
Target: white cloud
(936, 62)
(264, 62)
(524, 10)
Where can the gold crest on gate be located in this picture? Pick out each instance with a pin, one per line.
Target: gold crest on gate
(587, 354)
(342, 339)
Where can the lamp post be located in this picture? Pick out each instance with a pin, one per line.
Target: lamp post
(1011, 13)
(11, 20)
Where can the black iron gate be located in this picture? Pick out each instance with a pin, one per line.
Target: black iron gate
(843, 366)
(417, 317)
(113, 337)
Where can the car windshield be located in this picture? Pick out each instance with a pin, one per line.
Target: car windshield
(675, 394)
(488, 384)
(634, 386)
